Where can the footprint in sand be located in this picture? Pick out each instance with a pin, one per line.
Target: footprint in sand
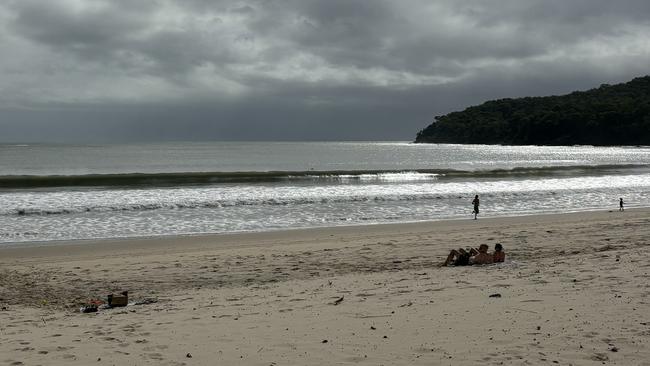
(155, 356)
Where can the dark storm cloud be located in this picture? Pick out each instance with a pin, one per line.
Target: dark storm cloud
(54, 25)
(296, 69)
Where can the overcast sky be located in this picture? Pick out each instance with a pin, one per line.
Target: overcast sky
(127, 70)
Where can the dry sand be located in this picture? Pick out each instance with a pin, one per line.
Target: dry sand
(574, 291)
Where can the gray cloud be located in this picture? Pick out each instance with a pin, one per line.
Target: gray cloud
(296, 69)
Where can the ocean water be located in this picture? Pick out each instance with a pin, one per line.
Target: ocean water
(64, 192)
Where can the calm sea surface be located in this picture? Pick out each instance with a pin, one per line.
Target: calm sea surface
(60, 192)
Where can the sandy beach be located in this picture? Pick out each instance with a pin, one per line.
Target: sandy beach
(574, 291)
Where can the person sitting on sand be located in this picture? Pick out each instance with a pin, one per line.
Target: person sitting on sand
(483, 257)
(499, 255)
(458, 257)
(462, 257)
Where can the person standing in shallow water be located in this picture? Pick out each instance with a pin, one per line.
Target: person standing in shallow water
(620, 205)
(475, 202)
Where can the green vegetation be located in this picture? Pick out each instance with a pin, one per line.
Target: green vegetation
(608, 115)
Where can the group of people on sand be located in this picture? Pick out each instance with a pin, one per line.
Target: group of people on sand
(470, 256)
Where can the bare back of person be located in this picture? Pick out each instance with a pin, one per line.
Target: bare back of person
(499, 255)
(482, 258)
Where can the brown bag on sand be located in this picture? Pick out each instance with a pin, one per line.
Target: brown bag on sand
(118, 300)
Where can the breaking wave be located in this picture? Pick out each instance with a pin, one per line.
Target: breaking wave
(343, 176)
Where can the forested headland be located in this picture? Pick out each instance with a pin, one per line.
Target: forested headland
(609, 115)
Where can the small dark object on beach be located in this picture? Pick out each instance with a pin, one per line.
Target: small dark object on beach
(188, 355)
(339, 300)
(495, 295)
(91, 308)
(614, 349)
(324, 341)
(373, 328)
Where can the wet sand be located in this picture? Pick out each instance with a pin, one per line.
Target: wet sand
(574, 290)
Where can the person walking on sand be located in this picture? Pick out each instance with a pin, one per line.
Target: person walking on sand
(620, 205)
(475, 202)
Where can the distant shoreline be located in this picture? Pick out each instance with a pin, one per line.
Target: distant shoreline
(187, 240)
(611, 115)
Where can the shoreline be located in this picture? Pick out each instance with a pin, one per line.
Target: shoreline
(430, 241)
(574, 289)
(281, 231)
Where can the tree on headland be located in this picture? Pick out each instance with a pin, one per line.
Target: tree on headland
(608, 115)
